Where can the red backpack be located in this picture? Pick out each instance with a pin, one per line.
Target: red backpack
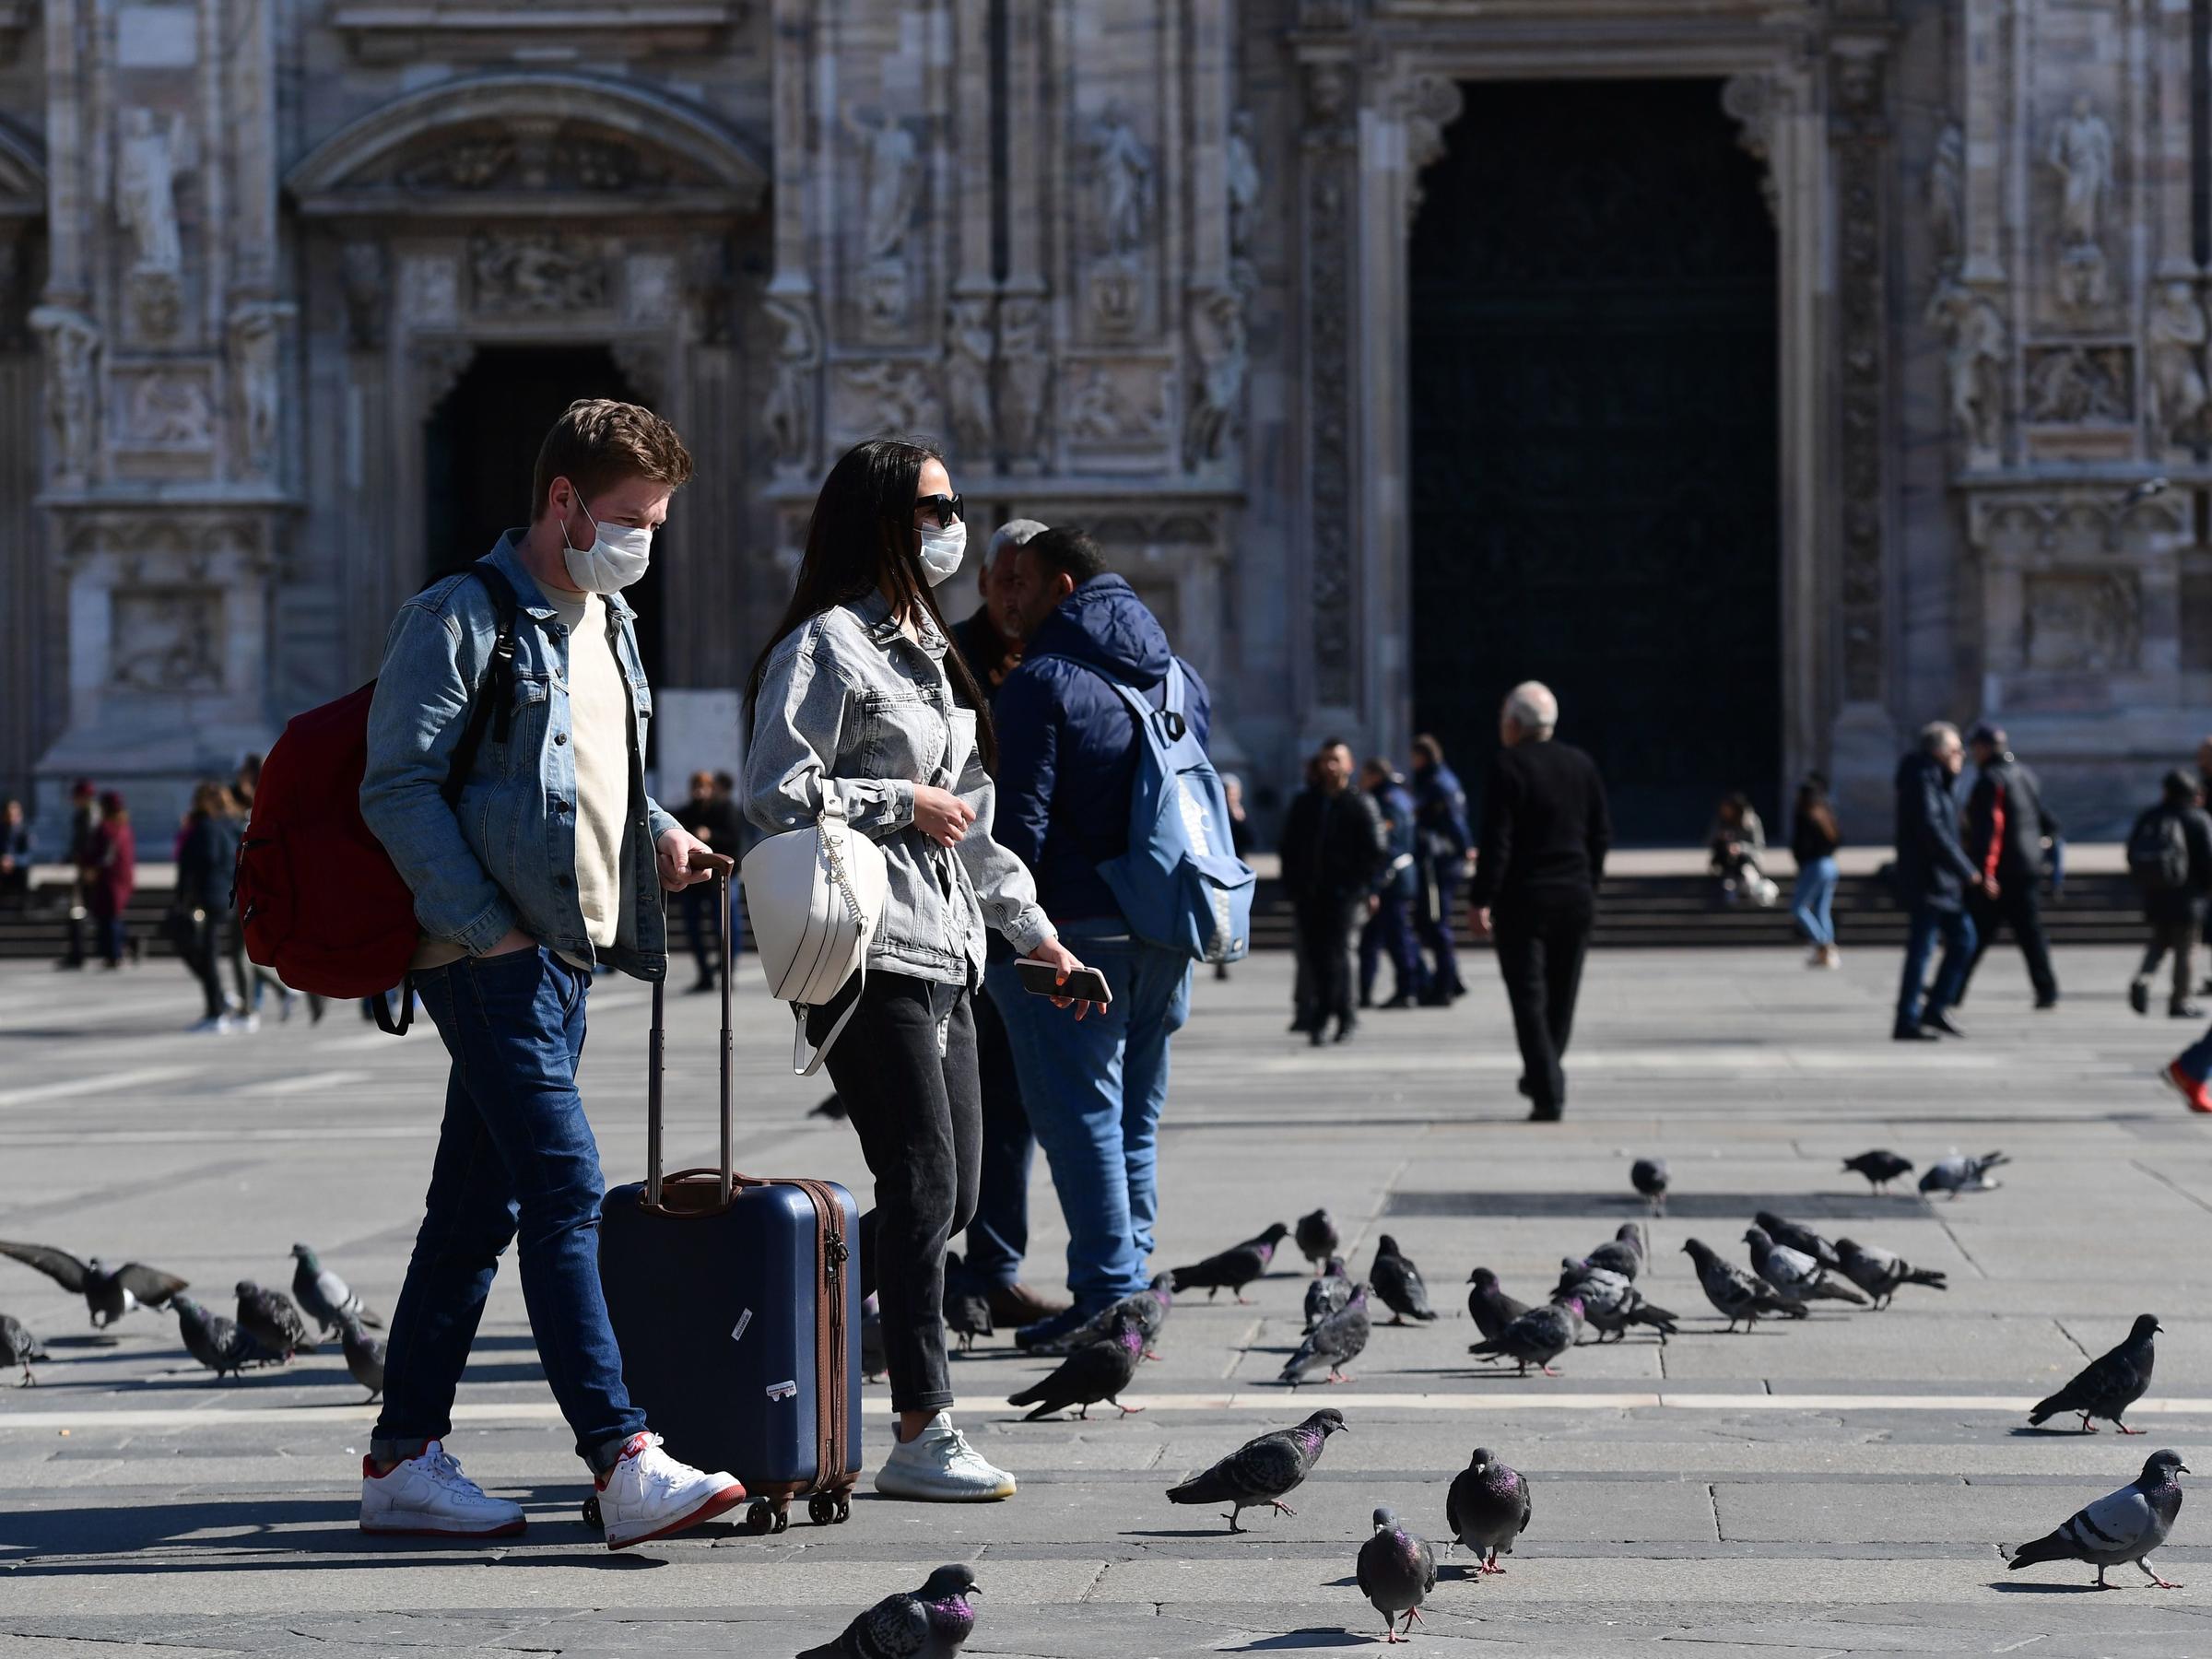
(319, 901)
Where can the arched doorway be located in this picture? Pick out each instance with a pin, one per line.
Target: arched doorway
(480, 444)
(1595, 439)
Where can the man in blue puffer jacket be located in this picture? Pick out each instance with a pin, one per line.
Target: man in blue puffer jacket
(1067, 762)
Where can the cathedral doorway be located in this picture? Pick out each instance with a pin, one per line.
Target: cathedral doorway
(1595, 440)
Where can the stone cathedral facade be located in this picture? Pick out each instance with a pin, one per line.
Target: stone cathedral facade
(1810, 369)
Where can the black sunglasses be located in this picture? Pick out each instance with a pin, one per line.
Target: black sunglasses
(949, 508)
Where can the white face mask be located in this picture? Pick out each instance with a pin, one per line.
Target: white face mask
(943, 548)
(616, 556)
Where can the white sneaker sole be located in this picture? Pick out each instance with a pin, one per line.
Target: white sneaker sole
(440, 1526)
(706, 1509)
(946, 1495)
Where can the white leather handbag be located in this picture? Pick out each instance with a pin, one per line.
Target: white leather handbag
(814, 897)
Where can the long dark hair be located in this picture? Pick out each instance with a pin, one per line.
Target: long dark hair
(860, 540)
(1813, 803)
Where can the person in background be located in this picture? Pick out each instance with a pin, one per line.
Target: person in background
(2169, 856)
(114, 878)
(200, 910)
(1737, 844)
(1240, 834)
(2005, 831)
(713, 817)
(1933, 875)
(1814, 838)
(1545, 831)
(84, 866)
(15, 855)
(1305, 1015)
(1389, 930)
(1333, 852)
(245, 784)
(998, 1238)
(1441, 845)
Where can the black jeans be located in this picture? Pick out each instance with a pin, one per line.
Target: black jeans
(1326, 928)
(203, 953)
(702, 930)
(1540, 950)
(2016, 905)
(2179, 936)
(998, 1235)
(919, 1111)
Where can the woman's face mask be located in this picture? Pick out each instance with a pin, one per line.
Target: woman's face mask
(943, 549)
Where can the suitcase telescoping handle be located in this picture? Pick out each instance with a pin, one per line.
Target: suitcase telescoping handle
(657, 1046)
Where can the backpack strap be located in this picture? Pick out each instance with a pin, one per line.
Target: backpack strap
(496, 710)
(1166, 722)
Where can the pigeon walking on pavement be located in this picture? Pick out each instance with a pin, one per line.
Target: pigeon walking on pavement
(108, 1295)
(19, 1347)
(1882, 1273)
(1398, 1284)
(928, 1623)
(364, 1355)
(1732, 1292)
(1486, 1507)
(1094, 1374)
(1316, 1239)
(1610, 1303)
(1148, 1307)
(1793, 1275)
(1232, 1269)
(1336, 1342)
(215, 1342)
(1327, 1293)
(1880, 1167)
(1397, 1572)
(1625, 1253)
(2123, 1527)
(1537, 1338)
(2109, 1384)
(1262, 1471)
(967, 1307)
(270, 1319)
(1955, 1174)
(325, 1297)
(1487, 1304)
(1648, 1176)
(1803, 1239)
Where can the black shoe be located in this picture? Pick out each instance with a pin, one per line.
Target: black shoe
(701, 986)
(1546, 1114)
(1366, 1000)
(2183, 1010)
(1938, 1020)
(1435, 998)
(1403, 999)
(1912, 1033)
(2043, 1004)
(2138, 996)
(1316, 1036)
(1344, 1028)
(1300, 1027)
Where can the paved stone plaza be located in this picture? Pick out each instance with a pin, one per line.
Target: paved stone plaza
(1842, 1485)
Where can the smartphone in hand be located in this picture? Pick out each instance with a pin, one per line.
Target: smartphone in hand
(1086, 984)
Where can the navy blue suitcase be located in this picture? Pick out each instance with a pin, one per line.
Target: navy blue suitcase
(735, 1301)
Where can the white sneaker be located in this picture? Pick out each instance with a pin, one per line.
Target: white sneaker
(938, 1465)
(246, 1022)
(649, 1495)
(430, 1494)
(214, 1025)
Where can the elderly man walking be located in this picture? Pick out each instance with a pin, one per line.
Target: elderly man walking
(1934, 874)
(1543, 844)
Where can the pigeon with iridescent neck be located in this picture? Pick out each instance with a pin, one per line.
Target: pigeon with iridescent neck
(1487, 1508)
(1336, 1342)
(1396, 1572)
(2122, 1528)
(1316, 1238)
(326, 1297)
(1327, 1293)
(1537, 1338)
(928, 1623)
(1262, 1471)
(1233, 1268)
(1095, 1373)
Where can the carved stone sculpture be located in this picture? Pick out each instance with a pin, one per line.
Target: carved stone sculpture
(898, 395)
(72, 345)
(166, 641)
(969, 343)
(364, 283)
(149, 154)
(788, 414)
(2173, 338)
(1974, 362)
(536, 273)
(1123, 170)
(891, 184)
(168, 412)
(1025, 378)
(1218, 340)
(2080, 151)
(256, 353)
(1946, 196)
(1242, 163)
(2071, 385)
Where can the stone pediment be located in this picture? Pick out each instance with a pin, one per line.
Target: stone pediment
(515, 144)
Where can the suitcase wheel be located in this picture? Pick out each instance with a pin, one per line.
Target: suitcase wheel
(765, 1517)
(821, 1508)
(844, 1508)
(590, 1514)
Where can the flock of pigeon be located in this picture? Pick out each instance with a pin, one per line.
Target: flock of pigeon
(269, 1328)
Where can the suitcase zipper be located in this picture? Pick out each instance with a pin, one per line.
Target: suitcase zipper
(829, 1334)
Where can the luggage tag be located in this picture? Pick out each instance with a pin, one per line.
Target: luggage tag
(783, 1391)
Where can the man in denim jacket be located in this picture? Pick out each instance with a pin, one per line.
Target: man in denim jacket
(550, 861)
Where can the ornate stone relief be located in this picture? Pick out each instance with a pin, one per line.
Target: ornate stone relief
(257, 380)
(1120, 183)
(1428, 103)
(971, 343)
(1974, 347)
(363, 284)
(534, 273)
(2079, 151)
(72, 345)
(152, 152)
(787, 415)
(884, 397)
(2081, 622)
(164, 410)
(890, 193)
(1329, 161)
(1859, 135)
(1219, 346)
(2174, 389)
(1748, 100)
(538, 156)
(1115, 408)
(2071, 385)
(1024, 381)
(166, 640)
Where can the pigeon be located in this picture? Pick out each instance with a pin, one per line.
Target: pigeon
(1955, 1174)
(1611, 1303)
(270, 1319)
(214, 1341)
(19, 1347)
(2123, 1527)
(1398, 1283)
(1148, 1308)
(364, 1356)
(1537, 1338)
(1327, 1293)
(967, 1308)
(1803, 1239)
(326, 1297)
(928, 1623)
(1262, 1471)
(872, 1360)
(1487, 1304)
(1336, 1341)
(1397, 1572)
(1623, 1253)
(1792, 1275)
(107, 1296)
(1648, 1176)
(1734, 1293)
(1096, 1371)
(1880, 1273)
(1486, 1507)
(1880, 1167)
(2109, 1385)
(1316, 1238)
(1234, 1268)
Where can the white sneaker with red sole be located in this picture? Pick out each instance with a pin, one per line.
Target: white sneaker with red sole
(649, 1495)
(429, 1496)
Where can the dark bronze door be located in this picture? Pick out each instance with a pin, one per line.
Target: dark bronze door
(1594, 444)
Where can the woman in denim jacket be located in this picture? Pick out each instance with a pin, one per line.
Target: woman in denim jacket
(859, 689)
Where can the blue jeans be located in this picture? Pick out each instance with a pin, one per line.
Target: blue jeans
(1957, 930)
(1094, 1089)
(515, 1148)
(1435, 931)
(1815, 892)
(1389, 933)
